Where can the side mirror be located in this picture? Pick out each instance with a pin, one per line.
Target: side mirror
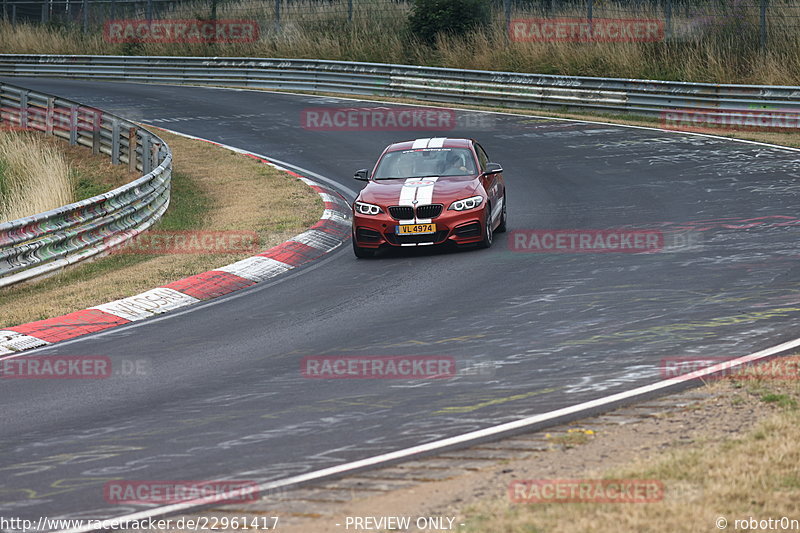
(361, 175)
(493, 168)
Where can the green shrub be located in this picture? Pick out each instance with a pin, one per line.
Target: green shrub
(428, 18)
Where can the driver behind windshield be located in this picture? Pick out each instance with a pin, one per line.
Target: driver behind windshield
(456, 165)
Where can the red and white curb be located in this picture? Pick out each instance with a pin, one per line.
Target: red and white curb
(322, 238)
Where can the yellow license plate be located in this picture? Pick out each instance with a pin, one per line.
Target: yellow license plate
(416, 229)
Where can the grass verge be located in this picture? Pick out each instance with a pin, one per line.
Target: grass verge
(213, 189)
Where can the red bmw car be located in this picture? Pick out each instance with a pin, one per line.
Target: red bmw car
(426, 192)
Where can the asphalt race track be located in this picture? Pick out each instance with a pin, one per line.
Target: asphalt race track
(223, 395)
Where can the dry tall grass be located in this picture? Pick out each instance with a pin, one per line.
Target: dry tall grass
(715, 42)
(35, 176)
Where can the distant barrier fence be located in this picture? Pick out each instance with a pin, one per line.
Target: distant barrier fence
(44, 243)
(676, 103)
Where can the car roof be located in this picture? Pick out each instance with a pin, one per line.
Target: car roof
(434, 142)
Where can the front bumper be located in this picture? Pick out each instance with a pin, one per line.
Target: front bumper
(457, 227)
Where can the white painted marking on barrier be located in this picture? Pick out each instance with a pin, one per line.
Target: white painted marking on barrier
(12, 341)
(256, 268)
(147, 304)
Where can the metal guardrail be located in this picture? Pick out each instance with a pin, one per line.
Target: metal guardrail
(504, 89)
(43, 243)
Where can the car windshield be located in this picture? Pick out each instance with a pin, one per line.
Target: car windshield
(425, 162)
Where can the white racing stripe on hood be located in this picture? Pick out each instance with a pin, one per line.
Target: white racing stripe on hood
(417, 191)
(436, 142)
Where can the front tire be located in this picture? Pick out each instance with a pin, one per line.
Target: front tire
(362, 253)
(488, 234)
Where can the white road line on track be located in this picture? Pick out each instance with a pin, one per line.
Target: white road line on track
(452, 441)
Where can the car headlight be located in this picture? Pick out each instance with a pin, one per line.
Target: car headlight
(466, 203)
(367, 209)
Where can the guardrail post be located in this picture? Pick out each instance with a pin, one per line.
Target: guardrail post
(85, 16)
(23, 110)
(14, 14)
(146, 154)
(132, 149)
(349, 10)
(73, 124)
(668, 19)
(590, 15)
(48, 117)
(277, 16)
(115, 141)
(155, 155)
(44, 12)
(96, 139)
(763, 32)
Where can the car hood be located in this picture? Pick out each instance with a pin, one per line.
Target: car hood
(443, 189)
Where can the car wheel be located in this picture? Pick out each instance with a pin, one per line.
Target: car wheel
(362, 253)
(502, 227)
(488, 234)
